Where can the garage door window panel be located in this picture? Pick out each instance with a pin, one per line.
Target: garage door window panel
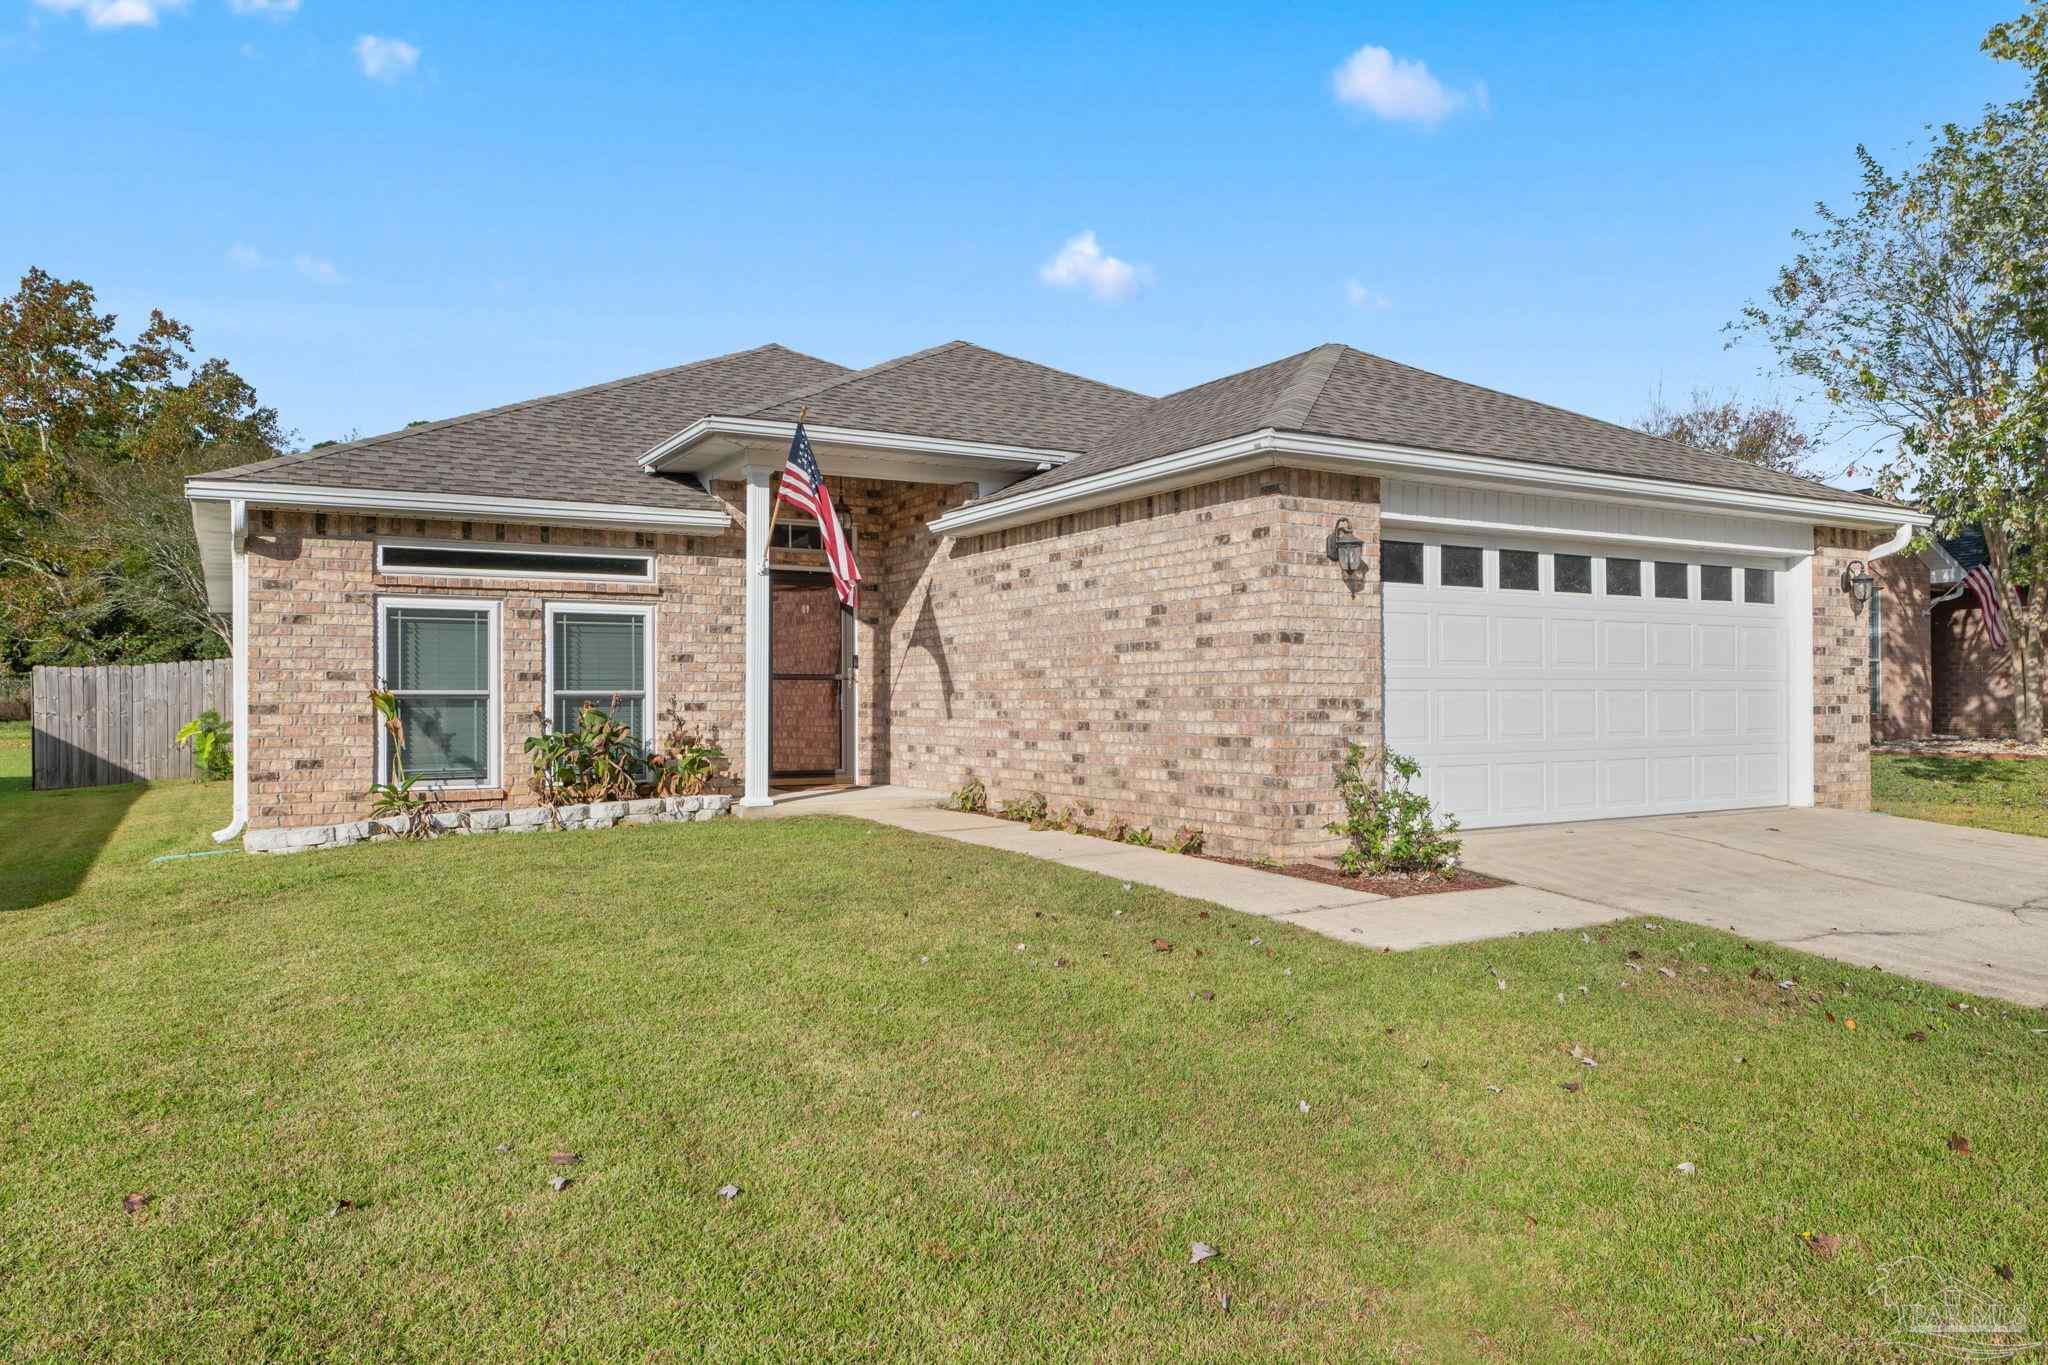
(1624, 578)
(1462, 566)
(1672, 580)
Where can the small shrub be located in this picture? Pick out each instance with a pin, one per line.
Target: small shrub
(971, 797)
(1116, 829)
(599, 760)
(1071, 818)
(1266, 860)
(1188, 839)
(1030, 809)
(397, 799)
(1390, 828)
(1141, 836)
(211, 739)
(687, 762)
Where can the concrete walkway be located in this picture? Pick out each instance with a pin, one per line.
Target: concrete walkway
(1966, 908)
(1351, 916)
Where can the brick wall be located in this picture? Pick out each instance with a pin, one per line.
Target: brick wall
(1185, 658)
(313, 586)
(1973, 693)
(1841, 674)
(1906, 686)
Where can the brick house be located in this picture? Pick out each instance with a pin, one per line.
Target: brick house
(1138, 604)
(1933, 668)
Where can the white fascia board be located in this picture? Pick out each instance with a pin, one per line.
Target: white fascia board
(447, 506)
(756, 428)
(1327, 452)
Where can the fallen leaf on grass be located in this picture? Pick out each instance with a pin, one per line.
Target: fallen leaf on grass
(1160, 945)
(1849, 1024)
(1303, 1104)
(1916, 1036)
(1634, 955)
(1959, 1144)
(136, 1203)
(1823, 1244)
(565, 1158)
(560, 1183)
(1686, 1168)
(728, 1192)
(341, 1206)
(1493, 1090)
(1666, 971)
(504, 1147)
(2004, 1272)
(1199, 1252)
(1572, 1086)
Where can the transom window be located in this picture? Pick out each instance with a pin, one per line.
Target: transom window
(440, 659)
(510, 561)
(602, 656)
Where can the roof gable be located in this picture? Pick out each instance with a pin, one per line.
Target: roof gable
(960, 391)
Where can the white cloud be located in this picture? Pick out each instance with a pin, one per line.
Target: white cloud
(1082, 263)
(386, 59)
(275, 9)
(318, 269)
(115, 13)
(1399, 90)
(1360, 297)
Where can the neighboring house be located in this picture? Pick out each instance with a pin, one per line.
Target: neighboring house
(1132, 603)
(1933, 668)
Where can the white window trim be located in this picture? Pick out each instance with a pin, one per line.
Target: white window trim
(494, 710)
(642, 609)
(497, 547)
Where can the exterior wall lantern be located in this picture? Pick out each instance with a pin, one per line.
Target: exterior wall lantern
(1859, 581)
(1345, 548)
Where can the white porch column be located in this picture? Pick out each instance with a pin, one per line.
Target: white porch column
(759, 513)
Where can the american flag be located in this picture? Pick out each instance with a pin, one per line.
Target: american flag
(1984, 588)
(803, 486)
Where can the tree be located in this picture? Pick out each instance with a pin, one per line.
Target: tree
(1922, 317)
(1762, 433)
(97, 433)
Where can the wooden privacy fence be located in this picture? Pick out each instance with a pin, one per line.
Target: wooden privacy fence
(93, 727)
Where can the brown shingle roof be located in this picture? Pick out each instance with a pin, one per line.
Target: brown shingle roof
(585, 445)
(963, 392)
(1336, 391)
(581, 446)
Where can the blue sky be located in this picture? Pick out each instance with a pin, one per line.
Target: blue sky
(386, 212)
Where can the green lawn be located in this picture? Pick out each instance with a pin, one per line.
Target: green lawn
(971, 1109)
(1992, 793)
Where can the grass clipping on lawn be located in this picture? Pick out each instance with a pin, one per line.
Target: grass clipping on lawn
(822, 1088)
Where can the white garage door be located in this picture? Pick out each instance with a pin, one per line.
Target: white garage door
(1566, 682)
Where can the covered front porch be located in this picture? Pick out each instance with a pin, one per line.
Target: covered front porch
(817, 711)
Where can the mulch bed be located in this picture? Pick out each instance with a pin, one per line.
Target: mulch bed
(1956, 747)
(1395, 885)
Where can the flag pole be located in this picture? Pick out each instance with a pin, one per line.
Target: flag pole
(767, 541)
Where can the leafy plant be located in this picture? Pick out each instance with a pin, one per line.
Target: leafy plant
(1116, 829)
(1141, 836)
(686, 762)
(1188, 839)
(1390, 827)
(598, 760)
(971, 797)
(211, 740)
(1031, 808)
(396, 799)
(1072, 818)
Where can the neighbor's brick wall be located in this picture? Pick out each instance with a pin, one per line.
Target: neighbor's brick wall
(1186, 658)
(1841, 674)
(1906, 688)
(1974, 687)
(313, 648)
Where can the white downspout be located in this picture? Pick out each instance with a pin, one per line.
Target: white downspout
(1901, 538)
(238, 545)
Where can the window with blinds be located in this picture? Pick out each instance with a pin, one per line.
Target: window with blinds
(440, 660)
(602, 657)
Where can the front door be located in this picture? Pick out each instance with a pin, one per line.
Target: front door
(806, 678)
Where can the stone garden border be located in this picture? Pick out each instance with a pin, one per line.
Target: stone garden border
(524, 820)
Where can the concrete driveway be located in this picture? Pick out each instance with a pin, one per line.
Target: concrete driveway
(1966, 908)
